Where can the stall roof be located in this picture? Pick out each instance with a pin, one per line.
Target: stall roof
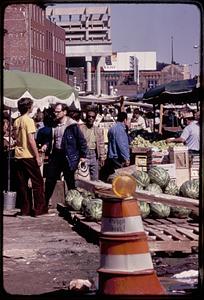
(181, 91)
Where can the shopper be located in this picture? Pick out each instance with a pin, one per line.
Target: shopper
(118, 145)
(28, 162)
(95, 141)
(68, 148)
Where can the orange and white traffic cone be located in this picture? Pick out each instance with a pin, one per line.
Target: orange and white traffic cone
(126, 266)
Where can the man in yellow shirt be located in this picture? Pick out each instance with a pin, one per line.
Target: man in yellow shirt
(28, 162)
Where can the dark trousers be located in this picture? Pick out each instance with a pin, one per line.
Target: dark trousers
(58, 164)
(111, 164)
(28, 168)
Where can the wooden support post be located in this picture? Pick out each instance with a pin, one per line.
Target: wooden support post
(161, 118)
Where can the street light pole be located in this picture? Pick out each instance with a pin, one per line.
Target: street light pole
(197, 61)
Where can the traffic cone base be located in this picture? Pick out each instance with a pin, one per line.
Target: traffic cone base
(126, 266)
(116, 284)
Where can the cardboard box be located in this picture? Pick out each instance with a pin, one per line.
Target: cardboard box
(170, 168)
(182, 175)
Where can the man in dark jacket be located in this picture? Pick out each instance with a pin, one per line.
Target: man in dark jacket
(68, 148)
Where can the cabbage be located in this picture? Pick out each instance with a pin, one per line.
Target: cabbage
(93, 210)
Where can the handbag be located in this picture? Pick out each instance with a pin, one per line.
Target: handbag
(82, 171)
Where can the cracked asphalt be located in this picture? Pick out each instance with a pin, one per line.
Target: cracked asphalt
(44, 254)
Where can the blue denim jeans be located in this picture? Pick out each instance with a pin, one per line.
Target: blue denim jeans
(93, 164)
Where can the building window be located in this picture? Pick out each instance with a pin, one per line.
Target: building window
(152, 83)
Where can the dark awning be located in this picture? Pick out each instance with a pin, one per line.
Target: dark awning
(180, 91)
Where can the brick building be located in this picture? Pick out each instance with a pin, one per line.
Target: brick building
(33, 43)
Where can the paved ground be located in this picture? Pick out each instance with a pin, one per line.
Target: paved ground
(42, 255)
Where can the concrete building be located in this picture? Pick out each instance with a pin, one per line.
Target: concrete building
(32, 43)
(88, 39)
(131, 73)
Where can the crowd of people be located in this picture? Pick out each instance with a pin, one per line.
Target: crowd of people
(64, 137)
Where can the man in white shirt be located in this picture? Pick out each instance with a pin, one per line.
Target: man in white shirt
(190, 135)
(137, 121)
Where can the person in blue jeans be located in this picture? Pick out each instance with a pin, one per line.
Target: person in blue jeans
(118, 144)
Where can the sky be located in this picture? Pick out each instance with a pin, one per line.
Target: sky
(149, 27)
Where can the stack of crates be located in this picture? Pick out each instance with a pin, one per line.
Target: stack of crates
(140, 158)
(141, 162)
(156, 158)
(194, 166)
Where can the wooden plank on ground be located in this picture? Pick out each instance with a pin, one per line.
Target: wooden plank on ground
(172, 231)
(187, 233)
(169, 246)
(159, 234)
(151, 221)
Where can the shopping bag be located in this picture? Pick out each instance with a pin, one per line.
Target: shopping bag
(82, 171)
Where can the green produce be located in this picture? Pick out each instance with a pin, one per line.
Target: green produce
(154, 188)
(180, 212)
(159, 176)
(86, 193)
(84, 203)
(74, 199)
(190, 189)
(144, 208)
(159, 210)
(171, 188)
(93, 210)
(161, 145)
(142, 178)
(139, 187)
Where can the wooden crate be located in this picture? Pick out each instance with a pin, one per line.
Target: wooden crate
(179, 156)
(194, 173)
(141, 168)
(141, 160)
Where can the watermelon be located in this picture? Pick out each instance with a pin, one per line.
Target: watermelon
(171, 188)
(84, 203)
(159, 210)
(142, 178)
(190, 189)
(144, 208)
(180, 212)
(74, 199)
(159, 176)
(194, 215)
(154, 188)
(139, 187)
(86, 193)
(93, 210)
